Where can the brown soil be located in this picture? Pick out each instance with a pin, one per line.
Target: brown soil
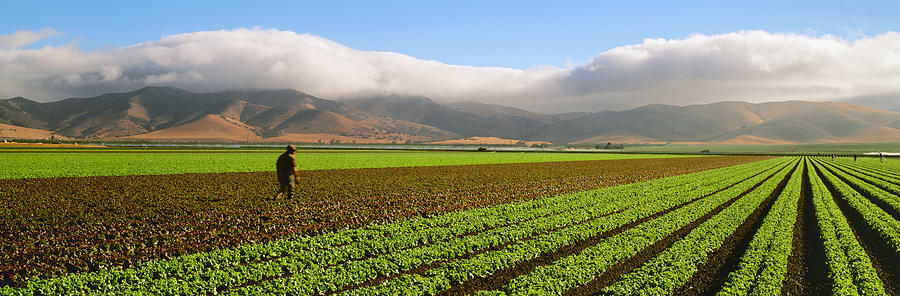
(710, 277)
(17, 132)
(613, 274)
(883, 257)
(50, 222)
(207, 128)
(807, 273)
(753, 140)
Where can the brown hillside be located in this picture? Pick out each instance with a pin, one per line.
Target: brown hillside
(208, 127)
(488, 141)
(17, 132)
(166, 113)
(733, 123)
(331, 138)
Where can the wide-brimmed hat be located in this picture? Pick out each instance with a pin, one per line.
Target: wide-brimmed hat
(291, 148)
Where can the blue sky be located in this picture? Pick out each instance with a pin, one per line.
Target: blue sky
(519, 34)
(548, 56)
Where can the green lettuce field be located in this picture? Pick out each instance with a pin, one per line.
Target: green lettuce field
(429, 223)
(75, 164)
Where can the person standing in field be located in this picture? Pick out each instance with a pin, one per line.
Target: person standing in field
(287, 173)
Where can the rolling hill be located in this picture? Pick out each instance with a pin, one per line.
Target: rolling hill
(732, 123)
(18, 132)
(166, 113)
(458, 120)
(886, 101)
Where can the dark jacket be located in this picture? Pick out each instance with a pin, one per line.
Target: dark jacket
(286, 164)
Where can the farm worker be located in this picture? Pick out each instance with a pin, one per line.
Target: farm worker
(287, 168)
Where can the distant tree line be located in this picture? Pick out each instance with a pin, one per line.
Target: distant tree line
(609, 146)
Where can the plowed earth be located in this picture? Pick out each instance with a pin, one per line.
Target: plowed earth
(53, 226)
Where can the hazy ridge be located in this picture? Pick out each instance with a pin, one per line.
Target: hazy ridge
(167, 113)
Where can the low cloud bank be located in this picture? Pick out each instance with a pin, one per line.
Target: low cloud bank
(748, 65)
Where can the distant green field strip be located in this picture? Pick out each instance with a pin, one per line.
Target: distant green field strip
(45, 165)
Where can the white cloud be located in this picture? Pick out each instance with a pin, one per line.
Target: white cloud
(22, 38)
(110, 73)
(252, 58)
(747, 65)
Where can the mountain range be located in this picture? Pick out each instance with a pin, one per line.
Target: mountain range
(172, 114)
(167, 113)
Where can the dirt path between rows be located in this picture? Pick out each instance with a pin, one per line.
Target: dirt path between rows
(807, 273)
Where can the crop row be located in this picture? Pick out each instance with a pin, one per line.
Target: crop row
(849, 266)
(674, 266)
(876, 170)
(580, 268)
(879, 220)
(764, 264)
(328, 258)
(870, 171)
(868, 185)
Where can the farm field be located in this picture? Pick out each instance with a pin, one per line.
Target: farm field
(890, 164)
(76, 163)
(52, 226)
(682, 226)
